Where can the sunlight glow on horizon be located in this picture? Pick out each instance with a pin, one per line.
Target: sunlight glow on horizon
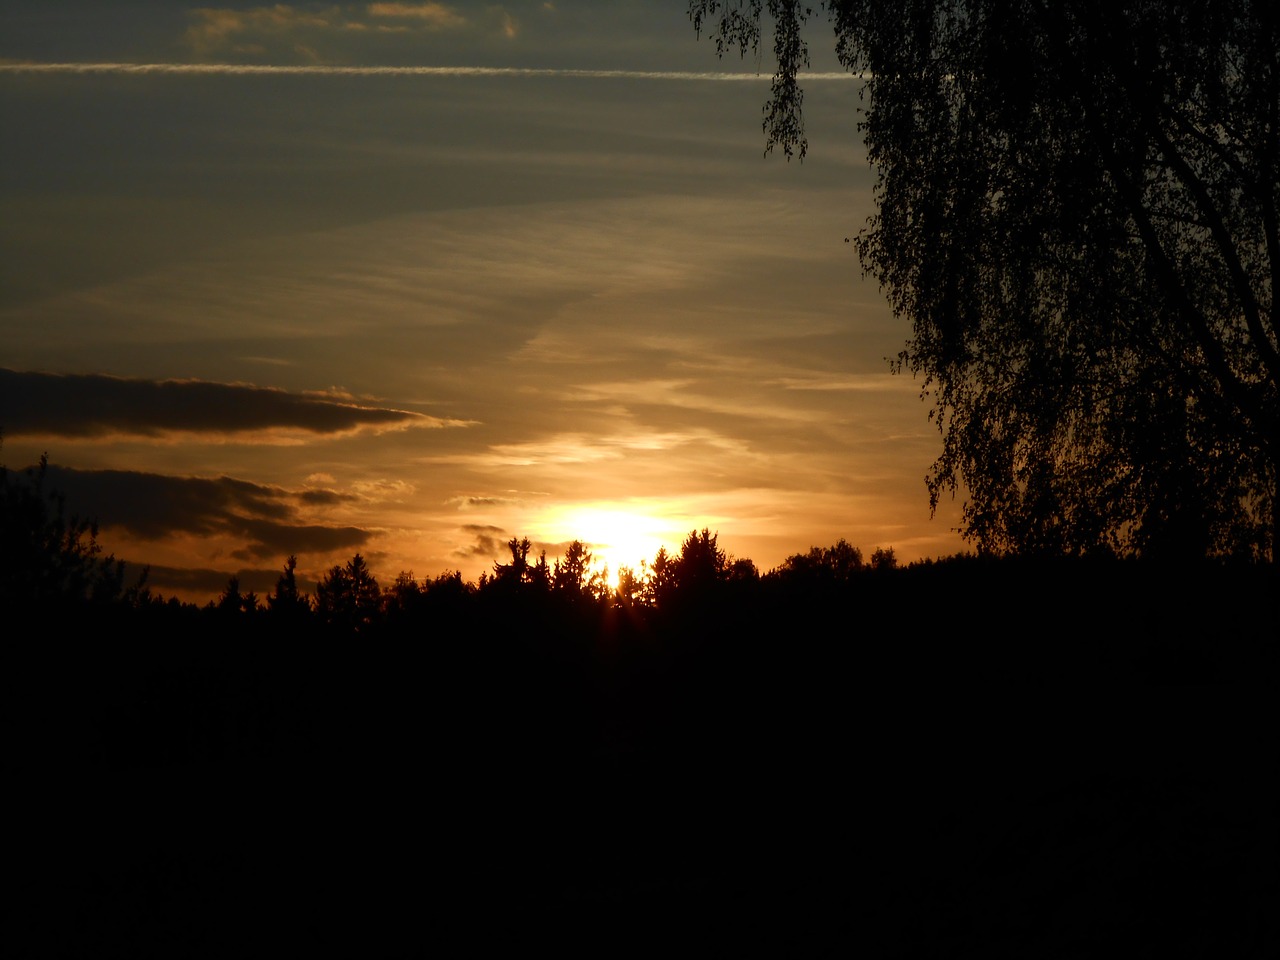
(618, 535)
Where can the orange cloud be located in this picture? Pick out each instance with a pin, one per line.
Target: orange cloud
(435, 16)
(216, 26)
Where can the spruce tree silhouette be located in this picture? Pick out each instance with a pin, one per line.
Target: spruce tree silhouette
(286, 602)
(348, 597)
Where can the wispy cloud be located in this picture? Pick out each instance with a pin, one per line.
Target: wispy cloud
(484, 540)
(878, 382)
(435, 16)
(215, 29)
(474, 501)
(284, 33)
(580, 448)
(96, 406)
(748, 403)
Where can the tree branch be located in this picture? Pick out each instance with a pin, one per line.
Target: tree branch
(1226, 248)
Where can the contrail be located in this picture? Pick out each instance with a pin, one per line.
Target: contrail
(333, 71)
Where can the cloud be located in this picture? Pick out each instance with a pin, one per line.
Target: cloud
(750, 404)
(486, 541)
(879, 383)
(485, 501)
(271, 539)
(277, 31)
(94, 406)
(195, 581)
(435, 16)
(385, 490)
(150, 506)
(324, 497)
(233, 69)
(577, 448)
(214, 29)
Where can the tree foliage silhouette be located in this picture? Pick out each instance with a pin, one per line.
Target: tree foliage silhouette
(48, 557)
(883, 558)
(701, 561)
(287, 602)
(231, 601)
(348, 596)
(1079, 213)
(828, 565)
(519, 571)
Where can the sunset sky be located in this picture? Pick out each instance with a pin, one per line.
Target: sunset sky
(548, 286)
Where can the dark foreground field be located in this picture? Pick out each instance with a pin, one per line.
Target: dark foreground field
(879, 773)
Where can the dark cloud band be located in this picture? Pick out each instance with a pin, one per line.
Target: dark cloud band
(91, 405)
(209, 582)
(153, 506)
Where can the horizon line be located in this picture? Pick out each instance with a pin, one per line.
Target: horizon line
(216, 69)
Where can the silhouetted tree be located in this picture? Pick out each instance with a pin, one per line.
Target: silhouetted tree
(1079, 213)
(449, 583)
(630, 589)
(447, 604)
(693, 576)
(230, 602)
(403, 596)
(834, 564)
(48, 557)
(883, 558)
(286, 600)
(701, 562)
(573, 570)
(518, 570)
(348, 597)
(660, 580)
(742, 571)
(540, 574)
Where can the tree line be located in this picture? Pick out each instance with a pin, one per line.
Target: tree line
(350, 597)
(541, 750)
(51, 563)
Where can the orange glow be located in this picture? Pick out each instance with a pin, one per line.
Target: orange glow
(617, 535)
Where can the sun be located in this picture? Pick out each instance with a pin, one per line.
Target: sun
(616, 536)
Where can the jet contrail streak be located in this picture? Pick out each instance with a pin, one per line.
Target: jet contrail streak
(335, 71)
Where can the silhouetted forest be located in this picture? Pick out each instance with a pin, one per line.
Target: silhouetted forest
(839, 754)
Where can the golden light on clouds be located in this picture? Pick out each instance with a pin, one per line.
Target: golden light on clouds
(273, 31)
(435, 15)
(214, 27)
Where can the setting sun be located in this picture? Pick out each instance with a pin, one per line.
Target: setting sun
(617, 536)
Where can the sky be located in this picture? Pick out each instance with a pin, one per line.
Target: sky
(411, 279)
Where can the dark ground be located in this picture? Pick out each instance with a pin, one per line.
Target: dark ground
(798, 787)
(900, 823)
